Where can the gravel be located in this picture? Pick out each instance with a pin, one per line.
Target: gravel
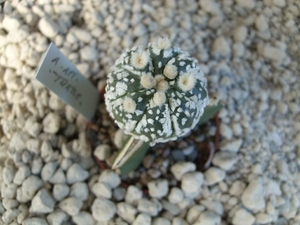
(249, 51)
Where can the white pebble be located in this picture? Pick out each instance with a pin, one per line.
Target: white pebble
(193, 213)
(12, 52)
(263, 218)
(242, 217)
(10, 23)
(158, 188)
(225, 160)
(210, 7)
(83, 218)
(214, 175)
(261, 23)
(42, 202)
(33, 145)
(253, 196)
(110, 177)
(232, 145)
(9, 190)
(82, 35)
(75, 173)
(147, 206)
(9, 203)
(171, 208)
(34, 221)
(103, 209)
(273, 53)
(57, 217)
(226, 131)
(180, 168)
(71, 205)
(119, 193)
(60, 191)
(279, 3)
(248, 4)
(237, 188)
(221, 47)
(208, 218)
(102, 190)
(102, 152)
(179, 221)
(9, 215)
(8, 174)
(22, 173)
(48, 170)
(139, 30)
(191, 183)
(80, 190)
(240, 34)
(29, 187)
(36, 165)
(213, 206)
(58, 177)
(88, 53)
(161, 221)
(176, 195)
(126, 211)
(48, 27)
(142, 219)
(133, 194)
(51, 123)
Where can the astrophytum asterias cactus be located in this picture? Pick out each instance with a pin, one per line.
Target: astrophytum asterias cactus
(156, 93)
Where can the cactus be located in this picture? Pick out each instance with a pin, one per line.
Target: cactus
(156, 93)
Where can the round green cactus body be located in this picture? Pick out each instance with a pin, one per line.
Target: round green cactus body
(156, 93)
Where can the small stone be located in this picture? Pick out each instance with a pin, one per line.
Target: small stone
(57, 217)
(158, 188)
(180, 168)
(263, 218)
(10, 23)
(133, 194)
(226, 131)
(232, 145)
(82, 35)
(42, 202)
(161, 221)
(179, 221)
(248, 4)
(36, 165)
(237, 188)
(12, 52)
(279, 3)
(213, 206)
(58, 177)
(225, 160)
(142, 219)
(48, 27)
(126, 211)
(48, 170)
(60, 191)
(22, 173)
(8, 174)
(102, 190)
(213, 175)
(253, 196)
(9, 203)
(171, 208)
(88, 53)
(102, 152)
(110, 177)
(273, 53)
(273, 188)
(75, 173)
(261, 23)
(9, 215)
(221, 48)
(176, 195)
(242, 217)
(103, 209)
(80, 190)
(33, 145)
(34, 221)
(191, 183)
(240, 34)
(71, 205)
(210, 7)
(148, 207)
(8, 190)
(29, 187)
(193, 213)
(208, 218)
(83, 218)
(51, 123)
(139, 30)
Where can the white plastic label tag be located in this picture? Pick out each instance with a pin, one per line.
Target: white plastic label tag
(59, 75)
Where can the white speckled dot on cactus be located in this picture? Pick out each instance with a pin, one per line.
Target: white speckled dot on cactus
(248, 54)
